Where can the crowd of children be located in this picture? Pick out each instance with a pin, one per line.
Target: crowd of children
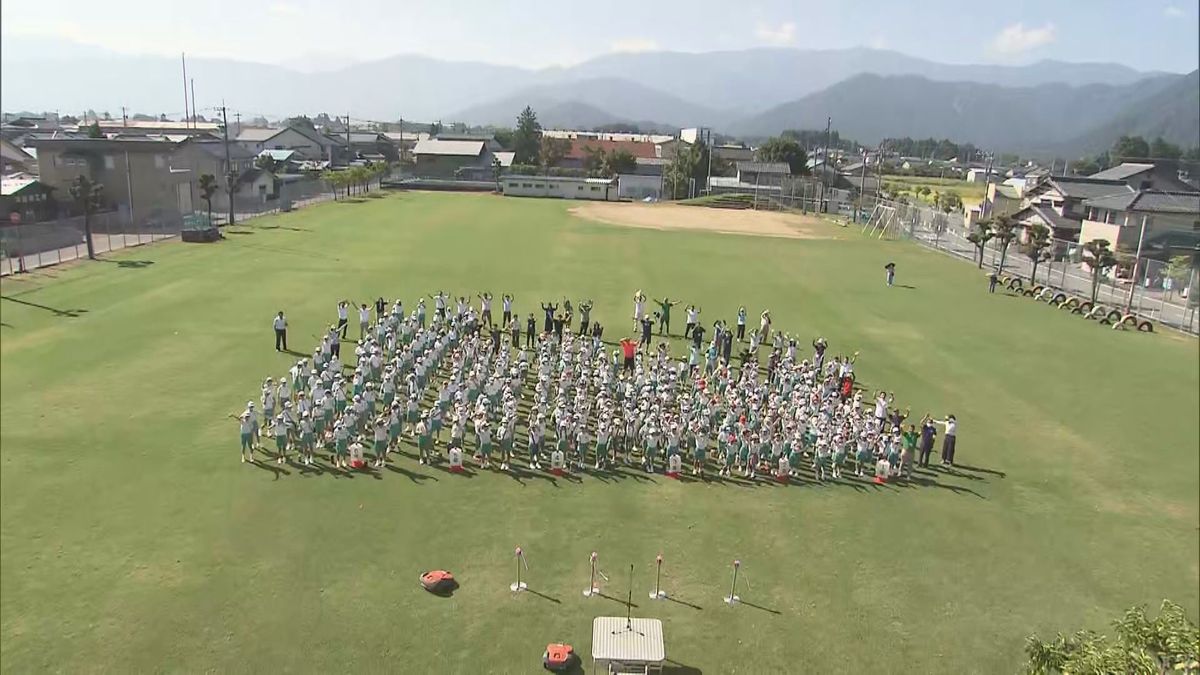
(580, 406)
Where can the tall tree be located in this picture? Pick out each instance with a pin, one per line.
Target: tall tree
(1004, 232)
(1035, 246)
(1099, 259)
(688, 167)
(93, 130)
(527, 138)
(1129, 147)
(1161, 149)
(787, 151)
(208, 188)
(1169, 643)
(87, 196)
(552, 152)
(334, 180)
(980, 235)
(504, 137)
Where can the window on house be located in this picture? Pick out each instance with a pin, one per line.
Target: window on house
(581, 188)
(109, 162)
(595, 188)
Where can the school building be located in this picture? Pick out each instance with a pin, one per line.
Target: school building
(561, 187)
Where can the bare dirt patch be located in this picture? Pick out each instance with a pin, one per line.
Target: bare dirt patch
(706, 219)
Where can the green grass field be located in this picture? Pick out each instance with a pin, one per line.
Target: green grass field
(970, 193)
(132, 539)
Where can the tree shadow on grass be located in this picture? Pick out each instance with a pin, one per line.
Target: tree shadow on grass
(351, 200)
(677, 668)
(283, 227)
(69, 313)
(128, 264)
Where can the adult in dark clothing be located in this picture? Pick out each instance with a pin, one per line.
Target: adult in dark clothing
(495, 341)
(727, 347)
(928, 433)
(530, 330)
(559, 321)
(380, 306)
(514, 326)
(548, 324)
(697, 336)
(280, 324)
(647, 326)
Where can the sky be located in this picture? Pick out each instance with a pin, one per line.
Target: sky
(312, 34)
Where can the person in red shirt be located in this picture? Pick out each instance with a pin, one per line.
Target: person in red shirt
(629, 349)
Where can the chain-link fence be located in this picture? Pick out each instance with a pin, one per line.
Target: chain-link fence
(1154, 289)
(29, 246)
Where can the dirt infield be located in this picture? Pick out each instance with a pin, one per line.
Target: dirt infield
(724, 221)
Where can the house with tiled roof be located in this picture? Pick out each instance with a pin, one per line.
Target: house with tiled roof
(1121, 218)
(580, 149)
(1146, 176)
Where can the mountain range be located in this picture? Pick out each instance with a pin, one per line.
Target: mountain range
(871, 94)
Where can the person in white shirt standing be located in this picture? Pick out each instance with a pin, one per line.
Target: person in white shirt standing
(280, 332)
(343, 310)
(364, 320)
(948, 440)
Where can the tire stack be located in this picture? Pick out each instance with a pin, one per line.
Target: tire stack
(1081, 306)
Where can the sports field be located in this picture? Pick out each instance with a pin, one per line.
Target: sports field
(132, 539)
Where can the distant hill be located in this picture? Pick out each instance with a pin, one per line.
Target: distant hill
(598, 101)
(872, 107)
(675, 87)
(1173, 113)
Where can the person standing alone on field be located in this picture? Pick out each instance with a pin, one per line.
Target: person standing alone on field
(280, 332)
(891, 273)
(948, 441)
(993, 279)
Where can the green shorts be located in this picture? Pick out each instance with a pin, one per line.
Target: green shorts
(281, 443)
(380, 446)
(246, 437)
(340, 446)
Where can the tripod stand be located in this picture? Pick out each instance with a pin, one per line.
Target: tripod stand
(628, 609)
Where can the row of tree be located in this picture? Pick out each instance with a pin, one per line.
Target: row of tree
(1133, 149)
(355, 178)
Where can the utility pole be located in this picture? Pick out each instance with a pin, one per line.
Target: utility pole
(708, 176)
(825, 159)
(183, 62)
(862, 187)
(193, 83)
(348, 149)
(230, 175)
(1137, 259)
(124, 118)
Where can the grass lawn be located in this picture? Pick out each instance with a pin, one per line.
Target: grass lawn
(970, 193)
(133, 540)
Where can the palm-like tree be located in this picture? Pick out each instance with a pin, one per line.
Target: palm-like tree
(980, 235)
(1035, 247)
(1004, 230)
(1099, 258)
(87, 195)
(208, 188)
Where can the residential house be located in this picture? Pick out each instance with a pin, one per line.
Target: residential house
(157, 128)
(984, 175)
(1058, 203)
(256, 185)
(489, 139)
(1000, 200)
(14, 158)
(136, 173)
(733, 152)
(1121, 218)
(373, 146)
(202, 157)
(577, 155)
(505, 158)
(25, 199)
(438, 158)
(763, 173)
(561, 187)
(307, 143)
(285, 161)
(1157, 176)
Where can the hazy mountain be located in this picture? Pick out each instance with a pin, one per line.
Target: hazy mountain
(871, 107)
(604, 99)
(1173, 113)
(59, 75)
(756, 79)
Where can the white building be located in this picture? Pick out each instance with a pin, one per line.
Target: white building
(561, 187)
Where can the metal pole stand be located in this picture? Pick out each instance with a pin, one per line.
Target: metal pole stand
(592, 588)
(519, 585)
(658, 593)
(732, 599)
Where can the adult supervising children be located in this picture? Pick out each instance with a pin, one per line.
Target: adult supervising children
(280, 324)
